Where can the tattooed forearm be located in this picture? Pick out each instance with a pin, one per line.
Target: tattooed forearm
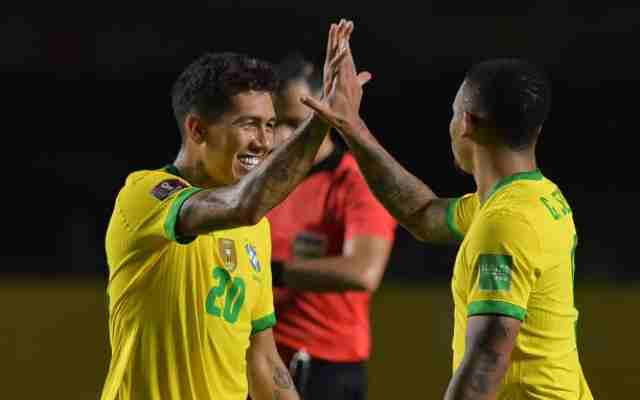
(485, 363)
(246, 202)
(282, 379)
(406, 197)
(287, 166)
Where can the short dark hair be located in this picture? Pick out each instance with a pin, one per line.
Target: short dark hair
(208, 83)
(295, 67)
(515, 96)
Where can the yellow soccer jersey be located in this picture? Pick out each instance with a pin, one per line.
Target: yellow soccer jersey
(517, 259)
(181, 310)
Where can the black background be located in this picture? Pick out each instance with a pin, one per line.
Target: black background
(86, 102)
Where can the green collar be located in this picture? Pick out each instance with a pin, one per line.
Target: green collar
(534, 175)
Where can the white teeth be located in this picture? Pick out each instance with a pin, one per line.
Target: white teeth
(249, 161)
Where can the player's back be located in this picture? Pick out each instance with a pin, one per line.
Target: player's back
(532, 214)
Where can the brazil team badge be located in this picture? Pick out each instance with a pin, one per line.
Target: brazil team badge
(253, 257)
(227, 250)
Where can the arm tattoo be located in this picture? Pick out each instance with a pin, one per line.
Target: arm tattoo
(282, 379)
(288, 165)
(481, 372)
(262, 189)
(405, 196)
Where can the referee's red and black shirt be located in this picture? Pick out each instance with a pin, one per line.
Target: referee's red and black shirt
(332, 205)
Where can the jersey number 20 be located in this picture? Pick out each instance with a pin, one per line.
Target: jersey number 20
(235, 292)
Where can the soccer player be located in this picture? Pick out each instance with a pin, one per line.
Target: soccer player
(331, 243)
(188, 247)
(514, 333)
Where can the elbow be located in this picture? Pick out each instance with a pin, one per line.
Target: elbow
(249, 213)
(369, 280)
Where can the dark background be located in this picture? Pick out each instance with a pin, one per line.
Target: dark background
(86, 101)
(86, 92)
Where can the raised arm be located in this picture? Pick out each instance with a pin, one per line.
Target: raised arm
(246, 202)
(408, 199)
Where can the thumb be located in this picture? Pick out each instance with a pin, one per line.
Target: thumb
(364, 77)
(319, 107)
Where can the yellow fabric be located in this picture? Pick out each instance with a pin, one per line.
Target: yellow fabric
(181, 315)
(517, 259)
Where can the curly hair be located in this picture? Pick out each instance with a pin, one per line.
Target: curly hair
(207, 85)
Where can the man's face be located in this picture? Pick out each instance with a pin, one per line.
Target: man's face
(240, 139)
(460, 145)
(291, 112)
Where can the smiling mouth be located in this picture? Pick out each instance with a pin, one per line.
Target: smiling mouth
(249, 162)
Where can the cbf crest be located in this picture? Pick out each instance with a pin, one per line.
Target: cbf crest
(253, 257)
(227, 250)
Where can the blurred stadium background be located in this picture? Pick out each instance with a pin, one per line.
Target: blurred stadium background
(86, 101)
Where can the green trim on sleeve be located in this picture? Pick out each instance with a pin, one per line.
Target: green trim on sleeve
(263, 323)
(174, 212)
(451, 222)
(496, 307)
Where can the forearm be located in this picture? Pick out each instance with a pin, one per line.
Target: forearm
(248, 201)
(333, 274)
(402, 194)
(270, 380)
(286, 167)
(478, 377)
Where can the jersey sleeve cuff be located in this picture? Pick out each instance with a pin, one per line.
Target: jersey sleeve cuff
(496, 307)
(174, 212)
(263, 323)
(451, 223)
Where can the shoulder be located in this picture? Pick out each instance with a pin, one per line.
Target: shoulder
(507, 226)
(156, 183)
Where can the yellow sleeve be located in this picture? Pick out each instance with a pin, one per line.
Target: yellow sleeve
(263, 315)
(460, 213)
(502, 257)
(149, 204)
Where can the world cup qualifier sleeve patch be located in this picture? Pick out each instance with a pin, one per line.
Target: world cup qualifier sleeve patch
(165, 188)
(495, 272)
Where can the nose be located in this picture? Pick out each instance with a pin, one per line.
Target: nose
(263, 140)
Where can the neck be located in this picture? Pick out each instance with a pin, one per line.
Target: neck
(492, 165)
(192, 169)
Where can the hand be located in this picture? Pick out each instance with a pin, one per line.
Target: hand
(336, 51)
(345, 90)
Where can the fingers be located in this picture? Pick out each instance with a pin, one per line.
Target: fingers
(333, 64)
(364, 77)
(336, 33)
(330, 40)
(321, 109)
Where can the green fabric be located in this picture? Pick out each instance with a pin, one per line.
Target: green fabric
(263, 323)
(451, 222)
(174, 212)
(495, 272)
(496, 307)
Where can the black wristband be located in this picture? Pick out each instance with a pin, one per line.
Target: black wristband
(277, 273)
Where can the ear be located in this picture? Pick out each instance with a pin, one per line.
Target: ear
(470, 124)
(195, 128)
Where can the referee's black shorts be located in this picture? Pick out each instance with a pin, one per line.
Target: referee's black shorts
(318, 379)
